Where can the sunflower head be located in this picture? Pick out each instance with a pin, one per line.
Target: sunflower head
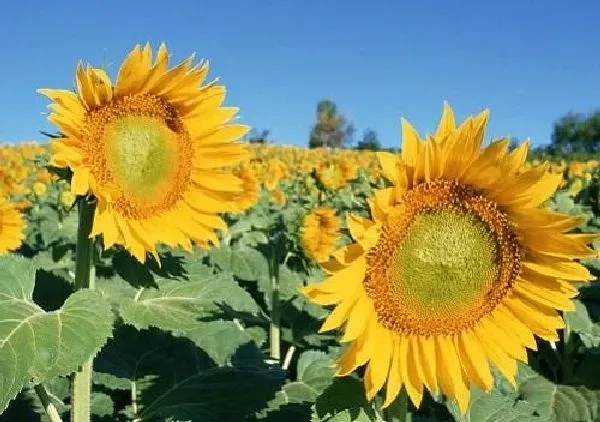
(12, 226)
(458, 268)
(149, 148)
(249, 196)
(319, 233)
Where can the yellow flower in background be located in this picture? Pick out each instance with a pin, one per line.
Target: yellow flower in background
(575, 187)
(149, 148)
(458, 268)
(67, 198)
(278, 197)
(22, 205)
(275, 172)
(249, 196)
(12, 226)
(348, 169)
(320, 232)
(39, 189)
(330, 176)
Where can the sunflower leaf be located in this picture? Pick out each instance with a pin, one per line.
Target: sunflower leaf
(314, 375)
(344, 400)
(40, 345)
(243, 262)
(175, 379)
(556, 403)
(195, 308)
(180, 304)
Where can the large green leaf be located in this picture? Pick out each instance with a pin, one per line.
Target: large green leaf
(495, 406)
(219, 339)
(344, 400)
(314, 375)
(581, 323)
(243, 262)
(179, 304)
(193, 308)
(175, 379)
(558, 403)
(39, 345)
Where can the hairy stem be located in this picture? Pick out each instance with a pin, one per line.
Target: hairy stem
(288, 358)
(275, 333)
(274, 328)
(81, 384)
(47, 403)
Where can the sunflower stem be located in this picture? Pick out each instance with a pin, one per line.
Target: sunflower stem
(274, 330)
(47, 403)
(277, 250)
(81, 384)
(397, 411)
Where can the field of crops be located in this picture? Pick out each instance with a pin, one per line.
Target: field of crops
(198, 338)
(153, 267)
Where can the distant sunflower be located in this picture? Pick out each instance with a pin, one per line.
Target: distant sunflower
(249, 196)
(278, 197)
(459, 267)
(149, 148)
(12, 226)
(320, 232)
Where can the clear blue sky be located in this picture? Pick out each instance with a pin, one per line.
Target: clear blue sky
(528, 61)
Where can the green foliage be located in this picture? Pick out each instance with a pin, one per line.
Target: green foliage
(189, 340)
(576, 132)
(37, 345)
(369, 141)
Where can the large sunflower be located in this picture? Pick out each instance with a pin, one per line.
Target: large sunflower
(149, 148)
(12, 226)
(459, 267)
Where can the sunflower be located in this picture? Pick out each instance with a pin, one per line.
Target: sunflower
(149, 148)
(278, 197)
(12, 226)
(458, 268)
(249, 196)
(320, 232)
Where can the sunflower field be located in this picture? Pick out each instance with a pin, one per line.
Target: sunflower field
(154, 267)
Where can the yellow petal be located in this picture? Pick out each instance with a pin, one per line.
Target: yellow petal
(450, 372)
(447, 123)
(379, 365)
(473, 360)
(394, 382)
(428, 360)
(410, 143)
(389, 166)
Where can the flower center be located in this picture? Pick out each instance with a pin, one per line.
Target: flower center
(442, 263)
(140, 154)
(446, 259)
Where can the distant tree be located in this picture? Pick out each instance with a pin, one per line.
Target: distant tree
(369, 141)
(330, 129)
(576, 132)
(255, 137)
(514, 143)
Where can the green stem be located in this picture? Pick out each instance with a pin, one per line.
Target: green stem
(567, 353)
(397, 411)
(274, 326)
(47, 403)
(275, 334)
(134, 406)
(81, 384)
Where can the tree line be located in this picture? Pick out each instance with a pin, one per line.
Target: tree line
(574, 134)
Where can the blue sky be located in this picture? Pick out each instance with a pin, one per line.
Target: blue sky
(528, 61)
